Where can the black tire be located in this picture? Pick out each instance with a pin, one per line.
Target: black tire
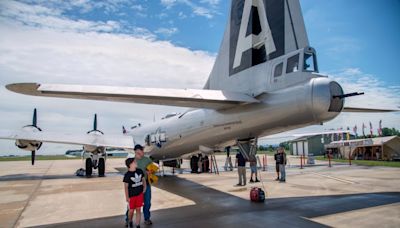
(102, 167)
(89, 167)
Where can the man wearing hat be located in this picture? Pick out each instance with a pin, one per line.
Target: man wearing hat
(142, 163)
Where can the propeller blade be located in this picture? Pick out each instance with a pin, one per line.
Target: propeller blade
(34, 120)
(95, 122)
(33, 157)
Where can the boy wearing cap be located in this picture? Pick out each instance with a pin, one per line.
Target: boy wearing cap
(142, 163)
(134, 186)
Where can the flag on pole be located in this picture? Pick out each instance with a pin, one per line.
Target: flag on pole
(355, 130)
(370, 128)
(342, 134)
(380, 128)
(348, 133)
(363, 129)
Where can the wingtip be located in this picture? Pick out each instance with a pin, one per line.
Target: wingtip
(24, 88)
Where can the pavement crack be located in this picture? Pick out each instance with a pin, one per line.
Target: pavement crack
(32, 195)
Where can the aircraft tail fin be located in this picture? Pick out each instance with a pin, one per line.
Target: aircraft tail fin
(257, 31)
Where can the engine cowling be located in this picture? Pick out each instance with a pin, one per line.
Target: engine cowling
(90, 148)
(29, 145)
(94, 149)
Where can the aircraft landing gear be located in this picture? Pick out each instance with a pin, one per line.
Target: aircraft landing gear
(248, 148)
(94, 161)
(102, 167)
(88, 167)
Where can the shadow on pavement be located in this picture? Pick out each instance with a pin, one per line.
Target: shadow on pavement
(218, 209)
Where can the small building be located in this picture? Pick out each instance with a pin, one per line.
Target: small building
(311, 144)
(381, 148)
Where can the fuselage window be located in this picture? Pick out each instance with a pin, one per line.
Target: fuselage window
(292, 64)
(278, 70)
(309, 62)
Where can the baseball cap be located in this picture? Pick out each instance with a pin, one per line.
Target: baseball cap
(138, 147)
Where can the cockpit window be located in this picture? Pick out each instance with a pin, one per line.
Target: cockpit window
(309, 62)
(292, 64)
(278, 70)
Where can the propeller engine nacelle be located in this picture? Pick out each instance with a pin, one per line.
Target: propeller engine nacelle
(30, 145)
(90, 148)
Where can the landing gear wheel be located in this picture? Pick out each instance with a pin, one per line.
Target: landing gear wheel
(102, 167)
(89, 167)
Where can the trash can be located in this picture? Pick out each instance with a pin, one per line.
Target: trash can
(310, 160)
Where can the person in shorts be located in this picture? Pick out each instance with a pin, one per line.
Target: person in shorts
(134, 186)
(253, 169)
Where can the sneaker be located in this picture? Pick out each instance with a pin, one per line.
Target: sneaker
(282, 180)
(277, 179)
(130, 225)
(238, 185)
(137, 226)
(126, 224)
(251, 181)
(148, 222)
(257, 180)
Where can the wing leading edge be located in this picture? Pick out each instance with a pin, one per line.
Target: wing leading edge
(117, 141)
(211, 99)
(372, 110)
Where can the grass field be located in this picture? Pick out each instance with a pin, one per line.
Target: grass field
(38, 157)
(364, 162)
(45, 157)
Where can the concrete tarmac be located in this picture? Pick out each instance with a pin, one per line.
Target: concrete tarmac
(49, 195)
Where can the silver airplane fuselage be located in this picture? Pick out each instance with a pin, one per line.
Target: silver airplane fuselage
(306, 101)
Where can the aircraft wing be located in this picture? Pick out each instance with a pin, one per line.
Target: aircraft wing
(196, 98)
(283, 135)
(357, 109)
(117, 141)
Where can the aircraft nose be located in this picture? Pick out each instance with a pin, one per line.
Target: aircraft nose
(325, 104)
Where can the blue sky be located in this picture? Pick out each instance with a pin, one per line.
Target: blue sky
(173, 44)
(359, 33)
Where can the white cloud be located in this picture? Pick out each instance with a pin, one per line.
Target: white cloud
(42, 52)
(168, 3)
(207, 8)
(211, 2)
(17, 13)
(138, 7)
(167, 32)
(182, 15)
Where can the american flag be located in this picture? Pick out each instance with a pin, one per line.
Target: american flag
(370, 128)
(380, 128)
(355, 130)
(363, 129)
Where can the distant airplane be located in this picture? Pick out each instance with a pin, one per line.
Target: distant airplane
(264, 81)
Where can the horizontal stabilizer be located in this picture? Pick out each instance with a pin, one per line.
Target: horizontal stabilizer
(196, 98)
(357, 109)
(117, 141)
(298, 135)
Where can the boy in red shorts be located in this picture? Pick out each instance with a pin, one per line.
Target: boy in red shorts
(135, 185)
